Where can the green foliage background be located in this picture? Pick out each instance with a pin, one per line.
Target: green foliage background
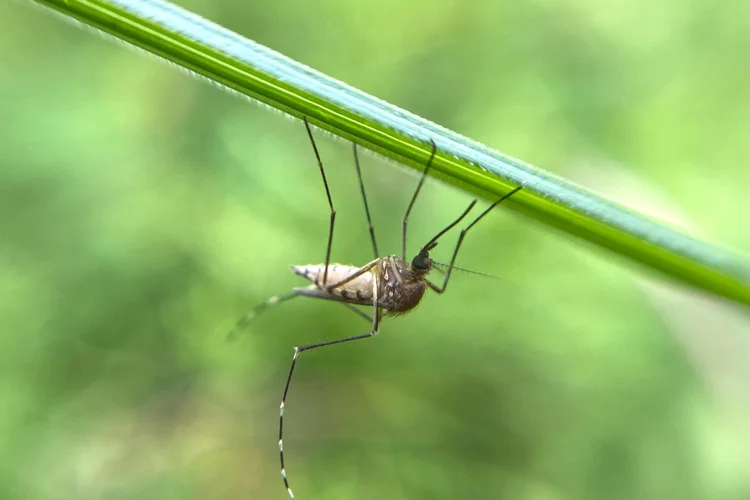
(142, 212)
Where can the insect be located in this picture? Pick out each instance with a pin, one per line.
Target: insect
(390, 285)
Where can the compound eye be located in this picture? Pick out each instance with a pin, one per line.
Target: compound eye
(420, 262)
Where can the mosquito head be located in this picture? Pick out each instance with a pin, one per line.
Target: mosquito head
(422, 263)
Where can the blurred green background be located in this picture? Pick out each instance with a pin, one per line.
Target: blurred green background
(142, 212)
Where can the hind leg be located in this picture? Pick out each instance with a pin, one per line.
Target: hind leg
(278, 299)
(299, 350)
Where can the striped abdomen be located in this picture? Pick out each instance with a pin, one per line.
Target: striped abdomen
(356, 291)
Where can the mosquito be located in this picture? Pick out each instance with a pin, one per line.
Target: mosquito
(390, 285)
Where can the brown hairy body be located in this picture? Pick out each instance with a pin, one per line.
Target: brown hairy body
(399, 288)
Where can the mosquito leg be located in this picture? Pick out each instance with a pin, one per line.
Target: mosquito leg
(405, 220)
(247, 318)
(364, 198)
(439, 289)
(362, 270)
(330, 201)
(278, 299)
(361, 314)
(317, 293)
(310, 347)
(432, 243)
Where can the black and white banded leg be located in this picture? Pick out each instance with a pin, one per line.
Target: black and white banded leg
(299, 350)
(312, 292)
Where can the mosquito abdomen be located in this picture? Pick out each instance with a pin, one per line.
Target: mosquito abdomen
(357, 290)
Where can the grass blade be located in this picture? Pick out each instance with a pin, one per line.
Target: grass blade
(267, 76)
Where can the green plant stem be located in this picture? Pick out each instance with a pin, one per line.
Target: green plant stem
(263, 74)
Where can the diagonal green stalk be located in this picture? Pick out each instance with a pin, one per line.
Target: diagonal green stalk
(263, 74)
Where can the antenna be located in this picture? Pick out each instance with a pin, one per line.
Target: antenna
(443, 268)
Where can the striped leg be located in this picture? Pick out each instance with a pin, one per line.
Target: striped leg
(278, 299)
(297, 352)
(247, 318)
